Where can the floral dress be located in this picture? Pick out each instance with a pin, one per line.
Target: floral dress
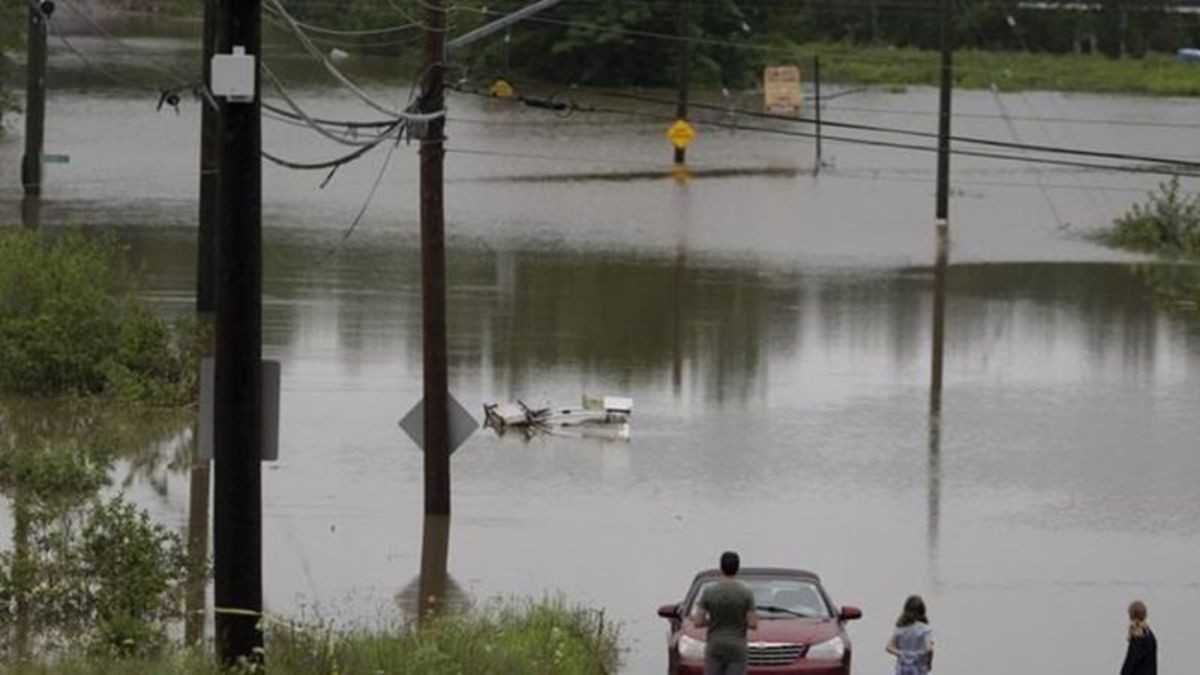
(914, 642)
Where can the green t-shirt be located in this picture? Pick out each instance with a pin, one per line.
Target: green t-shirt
(726, 602)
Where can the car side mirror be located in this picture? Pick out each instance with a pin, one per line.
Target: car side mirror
(849, 613)
(669, 611)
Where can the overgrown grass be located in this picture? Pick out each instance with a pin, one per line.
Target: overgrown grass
(1154, 74)
(71, 323)
(542, 638)
(1168, 223)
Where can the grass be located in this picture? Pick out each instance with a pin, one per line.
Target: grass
(1168, 223)
(1154, 74)
(533, 638)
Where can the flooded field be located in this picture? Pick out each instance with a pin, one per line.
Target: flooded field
(774, 330)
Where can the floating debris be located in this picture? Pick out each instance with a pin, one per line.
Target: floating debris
(605, 418)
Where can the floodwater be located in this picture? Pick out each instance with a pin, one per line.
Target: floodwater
(774, 329)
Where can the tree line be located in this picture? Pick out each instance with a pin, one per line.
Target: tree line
(625, 41)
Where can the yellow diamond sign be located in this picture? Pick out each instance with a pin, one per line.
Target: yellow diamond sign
(501, 89)
(681, 134)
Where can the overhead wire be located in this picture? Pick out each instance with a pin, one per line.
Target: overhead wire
(1189, 165)
(1153, 168)
(1012, 129)
(1014, 27)
(345, 81)
(103, 32)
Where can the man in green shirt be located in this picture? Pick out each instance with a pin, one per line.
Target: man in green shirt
(727, 609)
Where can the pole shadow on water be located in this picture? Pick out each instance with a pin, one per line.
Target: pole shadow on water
(934, 496)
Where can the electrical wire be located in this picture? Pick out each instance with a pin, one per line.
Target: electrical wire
(1190, 164)
(1184, 164)
(320, 129)
(1152, 168)
(345, 81)
(103, 32)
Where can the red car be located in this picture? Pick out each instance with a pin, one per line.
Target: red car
(800, 630)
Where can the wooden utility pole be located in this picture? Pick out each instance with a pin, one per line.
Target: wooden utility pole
(685, 71)
(238, 424)
(198, 502)
(939, 277)
(35, 100)
(817, 108)
(433, 264)
(944, 115)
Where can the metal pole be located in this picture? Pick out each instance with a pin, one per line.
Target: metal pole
(198, 503)
(35, 102)
(817, 107)
(433, 265)
(237, 515)
(685, 71)
(943, 177)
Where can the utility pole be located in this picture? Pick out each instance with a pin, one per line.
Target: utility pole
(433, 264)
(685, 71)
(943, 177)
(198, 502)
(939, 276)
(817, 108)
(35, 99)
(238, 424)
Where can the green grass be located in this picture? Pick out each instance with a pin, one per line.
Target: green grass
(1154, 74)
(1168, 223)
(543, 638)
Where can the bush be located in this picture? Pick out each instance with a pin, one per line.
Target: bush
(104, 576)
(1169, 223)
(71, 324)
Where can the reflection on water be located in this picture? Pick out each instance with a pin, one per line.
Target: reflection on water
(433, 592)
(777, 333)
(766, 394)
(937, 370)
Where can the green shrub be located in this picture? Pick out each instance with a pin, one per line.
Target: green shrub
(71, 324)
(104, 576)
(1168, 222)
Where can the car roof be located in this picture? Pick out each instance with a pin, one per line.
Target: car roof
(785, 572)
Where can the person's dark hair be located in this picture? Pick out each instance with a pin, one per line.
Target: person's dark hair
(730, 563)
(914, 611)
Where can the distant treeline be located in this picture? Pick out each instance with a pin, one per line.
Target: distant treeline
(621, 41)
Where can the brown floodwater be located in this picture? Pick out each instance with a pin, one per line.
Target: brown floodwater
(774, 329)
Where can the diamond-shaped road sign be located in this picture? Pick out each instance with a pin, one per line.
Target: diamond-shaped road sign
(681, 134)
(462, 424)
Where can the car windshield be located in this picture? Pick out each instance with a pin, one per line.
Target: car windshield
(778, 597)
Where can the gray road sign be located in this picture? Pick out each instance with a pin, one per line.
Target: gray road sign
(462, 424)
(270, 411)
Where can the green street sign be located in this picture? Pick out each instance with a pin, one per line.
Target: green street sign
(56, 159)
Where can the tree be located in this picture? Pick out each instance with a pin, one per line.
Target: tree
(12, 21)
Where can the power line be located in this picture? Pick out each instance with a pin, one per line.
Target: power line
(1188, 164)
(1143, 169)
(345, 81)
